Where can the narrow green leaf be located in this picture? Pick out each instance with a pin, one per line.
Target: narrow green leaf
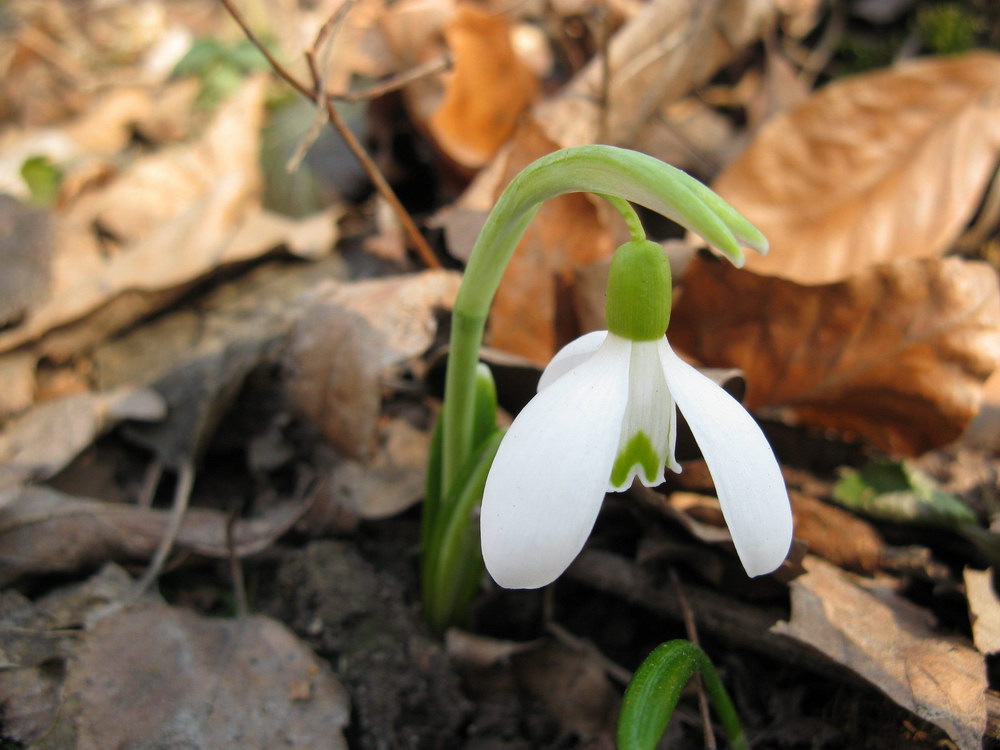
(896, 491)
(652, 694)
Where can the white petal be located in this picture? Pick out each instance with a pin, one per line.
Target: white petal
(746, 474)
(650, 416)
(547, 482)
(576, 352)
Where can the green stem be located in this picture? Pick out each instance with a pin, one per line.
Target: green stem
(446, 588)
(603, 170)
(631, 218)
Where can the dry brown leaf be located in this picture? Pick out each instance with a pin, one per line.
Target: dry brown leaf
(531, 312)
(480, 651)
(186, 681)
(985, 428)
(984, 609)
(890, 642)
(664, 51)
(350, 340)
(177, 214)
(42, 441)
(830, 532)
(690, 135)
(885, 165)
(487, 91)
(573, 685)
(44, 531)
(898, 353)
(17, 373)
(393, 480)
(836, 535)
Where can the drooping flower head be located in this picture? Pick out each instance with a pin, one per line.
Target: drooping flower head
(605, 414)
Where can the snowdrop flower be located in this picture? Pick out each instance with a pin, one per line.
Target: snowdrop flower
(605, 414)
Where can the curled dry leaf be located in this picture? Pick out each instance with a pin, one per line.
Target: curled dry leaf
(186, 681)
(890, 642)
(487, 91)
(885, 165)
(898, 353)
(836, 535)
(665, 50)
(42, 441)
(44, 531)
(176, 215)
(347, 342)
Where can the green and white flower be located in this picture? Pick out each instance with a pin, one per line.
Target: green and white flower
(605, 414)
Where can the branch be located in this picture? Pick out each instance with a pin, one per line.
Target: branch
(320, 98)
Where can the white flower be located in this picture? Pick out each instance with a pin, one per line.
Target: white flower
(605, 414)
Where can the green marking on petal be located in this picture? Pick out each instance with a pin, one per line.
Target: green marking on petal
(638, 451)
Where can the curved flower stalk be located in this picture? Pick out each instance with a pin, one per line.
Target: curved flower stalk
(605, 414)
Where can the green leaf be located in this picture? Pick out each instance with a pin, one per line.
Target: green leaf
(220, 67)
(203, 54)
(652, 694)
(43, 179)
(895, 491)
(485, 419)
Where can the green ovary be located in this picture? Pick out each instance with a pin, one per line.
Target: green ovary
(639, 450)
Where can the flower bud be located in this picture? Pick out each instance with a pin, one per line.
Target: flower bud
(639, 291)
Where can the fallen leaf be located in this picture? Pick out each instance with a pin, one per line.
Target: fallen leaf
(36, 636)
(667, 49)
(984, 609)
(882, 166)
(177, 214)
(45, 531)
(835, 535)
(185, 681)
(890, 643)
(393, 480)
(345, 345)
(984, 431)
(829, 532)
(199, 355)
(17, 373)
(42, 441)
(26, 258)
(572, 684)
(898, 353)
(487, 90)
(480, 651)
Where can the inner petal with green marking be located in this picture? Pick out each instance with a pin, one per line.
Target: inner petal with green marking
(638, 453)
(648, 433)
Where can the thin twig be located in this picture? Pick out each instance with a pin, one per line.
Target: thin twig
(318, 95)
(395, 82)
(423, 249)
(235, 565)
(692, 633)
(150, 481)
(280, 69)
(182, 494)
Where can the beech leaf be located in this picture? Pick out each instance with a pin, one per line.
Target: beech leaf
(890, 164)
(898, 353)
(891, 643)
